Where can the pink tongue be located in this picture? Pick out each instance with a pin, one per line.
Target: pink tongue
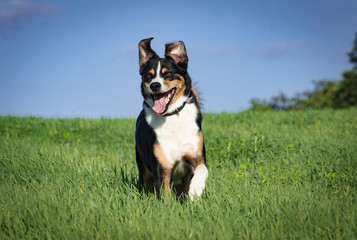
(159, 103)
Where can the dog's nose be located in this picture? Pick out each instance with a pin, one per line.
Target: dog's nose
(155, 86)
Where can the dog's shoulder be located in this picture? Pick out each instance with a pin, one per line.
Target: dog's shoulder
(143, 130)
(141, 118)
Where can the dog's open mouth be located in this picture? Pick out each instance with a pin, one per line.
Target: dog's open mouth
(162, 101)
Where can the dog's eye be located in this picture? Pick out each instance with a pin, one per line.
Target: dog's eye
(149, 76)
(168, 74)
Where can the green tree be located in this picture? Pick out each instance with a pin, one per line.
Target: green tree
(326, 93)
(347, 93)
(353, 54)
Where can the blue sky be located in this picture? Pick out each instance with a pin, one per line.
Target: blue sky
(80, 59)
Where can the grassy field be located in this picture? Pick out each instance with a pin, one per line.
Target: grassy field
(273, 175)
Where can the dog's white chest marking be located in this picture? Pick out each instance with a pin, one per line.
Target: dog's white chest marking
(177, 134)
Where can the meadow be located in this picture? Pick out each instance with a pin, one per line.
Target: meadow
(272, 175)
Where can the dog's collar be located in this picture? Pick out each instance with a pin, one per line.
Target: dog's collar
(177, 110)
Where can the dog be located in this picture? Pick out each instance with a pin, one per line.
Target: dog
(169, 142)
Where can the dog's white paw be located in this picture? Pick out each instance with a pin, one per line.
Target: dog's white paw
(198, 182)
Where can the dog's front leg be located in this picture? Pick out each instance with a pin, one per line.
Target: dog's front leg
(166, 180)
(165, 170)
(199, 175)
(198, 181)
(162, 180)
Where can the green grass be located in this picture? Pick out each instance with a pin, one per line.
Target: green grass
(273, 175)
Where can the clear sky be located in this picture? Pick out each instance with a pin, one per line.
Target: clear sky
(68, 58)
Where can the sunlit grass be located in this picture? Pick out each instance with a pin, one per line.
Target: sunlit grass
(273, 175)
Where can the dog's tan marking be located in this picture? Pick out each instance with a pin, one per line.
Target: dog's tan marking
(145, 85)
(160, 156)
(179, 84)
(200, 143)
(163, 70)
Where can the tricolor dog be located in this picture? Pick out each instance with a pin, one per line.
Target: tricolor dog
(169, 142)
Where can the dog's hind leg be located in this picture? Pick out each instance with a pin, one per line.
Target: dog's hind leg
(162, 179)
(140, 165)
(157, 186)
(145, 176)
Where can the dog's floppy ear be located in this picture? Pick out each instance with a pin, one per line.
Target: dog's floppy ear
(145, 51)
(177, 52)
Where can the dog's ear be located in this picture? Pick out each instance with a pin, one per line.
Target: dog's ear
(145, 51)
(177, 52)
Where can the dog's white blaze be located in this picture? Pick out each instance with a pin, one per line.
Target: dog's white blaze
(159, 79)
(158, 69)
(177, 134)
(198, 182)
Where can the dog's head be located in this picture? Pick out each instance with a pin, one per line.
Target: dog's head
(166, 84)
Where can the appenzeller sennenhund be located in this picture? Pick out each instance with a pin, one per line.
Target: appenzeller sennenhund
(169, 142)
